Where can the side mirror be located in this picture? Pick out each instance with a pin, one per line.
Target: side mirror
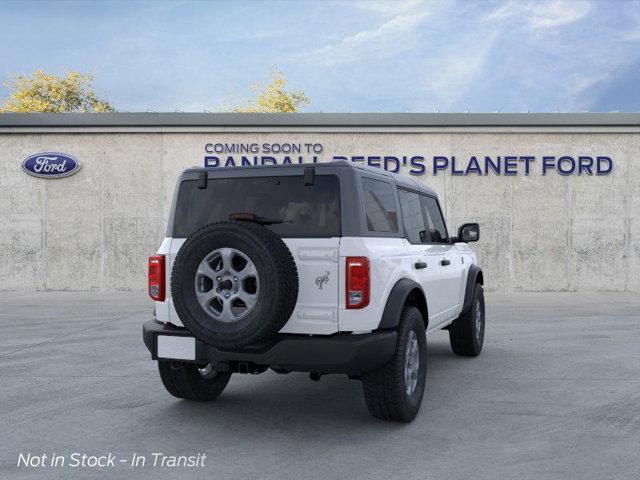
(469, 232)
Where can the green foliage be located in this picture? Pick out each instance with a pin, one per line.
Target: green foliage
(274, 98)
(42, 92)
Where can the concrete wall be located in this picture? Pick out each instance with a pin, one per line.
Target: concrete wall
(94, 230)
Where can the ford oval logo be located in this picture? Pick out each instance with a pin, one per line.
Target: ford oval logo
(51, 165)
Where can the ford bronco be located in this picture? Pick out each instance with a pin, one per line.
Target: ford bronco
(326, 268)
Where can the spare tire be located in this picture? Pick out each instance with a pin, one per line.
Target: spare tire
(234, 284)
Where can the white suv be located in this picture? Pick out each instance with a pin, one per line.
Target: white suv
(330, 268)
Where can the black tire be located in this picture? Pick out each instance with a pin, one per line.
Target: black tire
(277, 291)
(465, 334)
(184, 380)
(385, 390)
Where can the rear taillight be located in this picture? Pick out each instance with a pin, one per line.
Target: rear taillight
(357, 293)
(156, 277)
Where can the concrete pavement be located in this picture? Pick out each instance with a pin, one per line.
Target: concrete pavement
(554, 395)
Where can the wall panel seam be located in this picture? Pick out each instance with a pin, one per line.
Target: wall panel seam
(101, 285)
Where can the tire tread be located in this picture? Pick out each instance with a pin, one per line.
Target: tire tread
(182, 380)
(462, 330)
(383, 389)
(257, 332)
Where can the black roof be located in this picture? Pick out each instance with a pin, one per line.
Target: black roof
(400, 180)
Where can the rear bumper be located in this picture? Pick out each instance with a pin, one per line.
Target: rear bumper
(339, 353)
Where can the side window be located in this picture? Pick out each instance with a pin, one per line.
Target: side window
(412, 217)
(379, 206)
(437, 227)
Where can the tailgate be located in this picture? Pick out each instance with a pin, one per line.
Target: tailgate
(316, 311)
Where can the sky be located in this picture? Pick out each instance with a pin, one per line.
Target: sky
(347, 56)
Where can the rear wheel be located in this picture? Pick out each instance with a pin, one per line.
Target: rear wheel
(395, 391)
(192, 382)
(466, 333)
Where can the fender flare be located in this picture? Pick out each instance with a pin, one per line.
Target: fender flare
(396, 300)
(474, 276)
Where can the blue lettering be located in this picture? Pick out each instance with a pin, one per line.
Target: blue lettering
(548, 163)
(510, 165)
(600, 170)
(439, 163)
(473, 166)
(565, 160)
(495, 166)
(527, 162)
(373, 161)
(211, 162)
(586, 164)
(454, 170)
(393, 160)
(416, 163)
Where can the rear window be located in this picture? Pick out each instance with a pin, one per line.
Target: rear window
(379, 206)
(305, 210)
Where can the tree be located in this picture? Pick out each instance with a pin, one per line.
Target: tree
(42, 92)
(274, 98)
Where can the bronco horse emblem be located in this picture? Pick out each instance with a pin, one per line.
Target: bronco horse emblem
(322, 279)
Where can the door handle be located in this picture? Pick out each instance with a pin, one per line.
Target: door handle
(444, 262)
(420, 265)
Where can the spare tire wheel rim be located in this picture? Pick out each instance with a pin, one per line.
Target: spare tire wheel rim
(227, 284)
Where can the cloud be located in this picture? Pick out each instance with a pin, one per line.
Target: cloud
(566, 69)
(541, 15)
(632, 33)
(391, 37)
(387, 8)
(510, 55)
(398, 24)
(557, 13)
(450, 74)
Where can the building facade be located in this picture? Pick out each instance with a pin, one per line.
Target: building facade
(557, 195)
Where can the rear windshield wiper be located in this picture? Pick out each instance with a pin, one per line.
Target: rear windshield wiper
(252, 217)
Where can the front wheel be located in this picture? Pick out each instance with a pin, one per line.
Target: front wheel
(466, 333)
(395, 391)
(191, 382)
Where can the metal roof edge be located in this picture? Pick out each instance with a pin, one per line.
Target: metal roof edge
(355, 120)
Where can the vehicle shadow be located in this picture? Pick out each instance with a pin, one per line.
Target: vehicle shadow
(269, 401)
